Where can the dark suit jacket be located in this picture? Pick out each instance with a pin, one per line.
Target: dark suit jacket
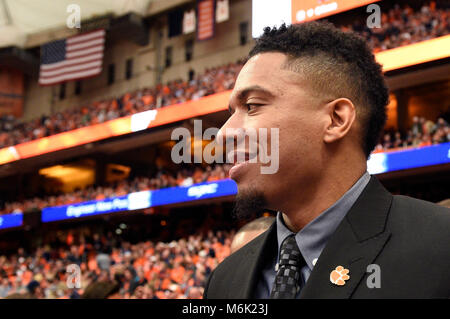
(408, 238)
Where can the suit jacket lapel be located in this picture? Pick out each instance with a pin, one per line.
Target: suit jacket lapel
(261, 250)
(357, 241)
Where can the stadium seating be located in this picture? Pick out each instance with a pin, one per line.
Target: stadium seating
(422, 133)
(146, 270)
(400, 26)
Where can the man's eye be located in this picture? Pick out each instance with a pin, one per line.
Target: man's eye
(251, 106)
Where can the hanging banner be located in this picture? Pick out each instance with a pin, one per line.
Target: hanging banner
(205, 19)
(11, 92)
(222, 11)
(189, 21)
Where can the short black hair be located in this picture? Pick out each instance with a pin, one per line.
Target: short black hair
(337, 63)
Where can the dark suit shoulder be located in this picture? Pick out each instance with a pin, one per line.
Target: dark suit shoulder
(415, 260)
(424, 223)
(417, 209)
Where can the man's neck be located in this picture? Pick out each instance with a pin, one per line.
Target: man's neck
(328, 190)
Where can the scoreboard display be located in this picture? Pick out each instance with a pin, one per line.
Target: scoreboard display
(270, 13)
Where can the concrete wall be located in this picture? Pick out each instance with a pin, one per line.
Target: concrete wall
(223, 48)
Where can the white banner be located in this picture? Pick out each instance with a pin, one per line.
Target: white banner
(189, 21)
(222, 11)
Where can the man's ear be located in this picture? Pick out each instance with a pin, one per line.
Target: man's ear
(341, 114)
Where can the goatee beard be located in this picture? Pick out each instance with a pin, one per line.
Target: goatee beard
(249, 202)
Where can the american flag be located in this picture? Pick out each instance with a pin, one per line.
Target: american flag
(74, 58)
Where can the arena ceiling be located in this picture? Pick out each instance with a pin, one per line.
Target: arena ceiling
(21, 18)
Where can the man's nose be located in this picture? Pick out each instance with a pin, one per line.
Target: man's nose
(228, 127)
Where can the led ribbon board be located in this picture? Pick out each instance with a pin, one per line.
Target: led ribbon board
(11, 220)
(141, 200)
(410, 158)
(269, 12)
(121, 126)
(378, 163)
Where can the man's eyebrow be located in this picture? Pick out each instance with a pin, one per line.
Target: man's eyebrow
(242, 94)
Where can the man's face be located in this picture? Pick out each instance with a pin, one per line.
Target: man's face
(266, 95)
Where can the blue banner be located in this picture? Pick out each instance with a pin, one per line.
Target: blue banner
(11, 220)
(141, 200)
(411, 158)
(378, 163)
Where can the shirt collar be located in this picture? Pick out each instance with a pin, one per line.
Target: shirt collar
(312, 239)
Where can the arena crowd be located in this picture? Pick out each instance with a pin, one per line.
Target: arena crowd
(110, 267)
(422, 133)
(162, 179)
(213, 80)
(400, 26)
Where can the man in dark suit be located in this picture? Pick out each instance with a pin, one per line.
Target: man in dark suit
(338, 232)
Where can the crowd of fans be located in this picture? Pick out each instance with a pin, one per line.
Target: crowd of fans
(213, 80)
(402, 26)
(422, 133)
(163, 179)
(176, 270)
(110, 267)
(399, 26)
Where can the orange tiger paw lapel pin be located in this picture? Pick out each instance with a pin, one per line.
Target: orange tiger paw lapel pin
(339, 275)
